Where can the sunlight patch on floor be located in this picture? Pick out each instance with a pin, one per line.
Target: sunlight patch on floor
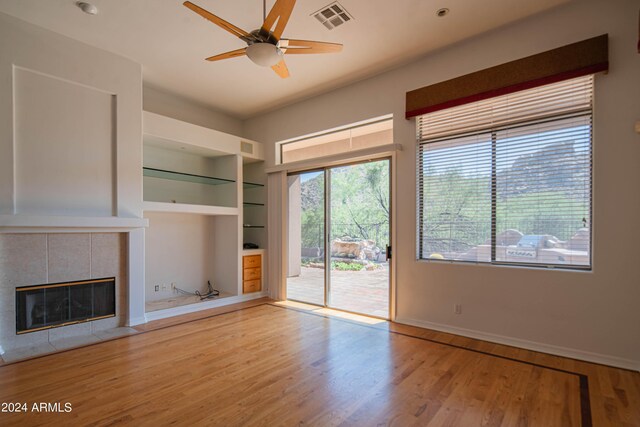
(331, 312)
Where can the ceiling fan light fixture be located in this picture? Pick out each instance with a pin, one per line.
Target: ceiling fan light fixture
(264, 54)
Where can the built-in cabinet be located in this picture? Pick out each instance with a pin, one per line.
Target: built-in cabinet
(201, 210)
(252, 270)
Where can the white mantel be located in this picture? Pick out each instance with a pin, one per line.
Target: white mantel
(68, 224)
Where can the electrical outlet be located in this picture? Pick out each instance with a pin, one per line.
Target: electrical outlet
(157, 288)
(457, 308)
(164, 288)
(173, 287)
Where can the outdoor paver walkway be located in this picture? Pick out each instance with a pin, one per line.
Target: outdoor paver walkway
(365, 292)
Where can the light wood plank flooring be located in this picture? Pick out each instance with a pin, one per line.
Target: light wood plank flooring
(268, 365)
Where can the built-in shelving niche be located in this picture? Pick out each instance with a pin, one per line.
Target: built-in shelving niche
(186, 250)
(254, 209)
(191, 198)
(201, 187)
(180, 177)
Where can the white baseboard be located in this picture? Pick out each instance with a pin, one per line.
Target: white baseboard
(136, 321)
(603, 359)
(204, 305)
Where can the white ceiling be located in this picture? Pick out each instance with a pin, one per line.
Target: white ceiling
(171, 42)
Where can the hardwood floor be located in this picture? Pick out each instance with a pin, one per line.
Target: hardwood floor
(268, 365)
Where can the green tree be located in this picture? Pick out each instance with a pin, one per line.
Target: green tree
(359, 203)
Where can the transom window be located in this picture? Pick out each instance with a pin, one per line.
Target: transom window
(355, 137)
(508, 180)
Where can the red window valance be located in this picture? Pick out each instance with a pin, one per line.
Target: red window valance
(578, 59)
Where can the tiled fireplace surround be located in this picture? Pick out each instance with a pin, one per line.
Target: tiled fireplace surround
(32, 258)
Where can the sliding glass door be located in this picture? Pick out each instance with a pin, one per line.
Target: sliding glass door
(306, 231)
(359, 234)
(339, 230)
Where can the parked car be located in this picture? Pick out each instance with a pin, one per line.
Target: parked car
(538, 241)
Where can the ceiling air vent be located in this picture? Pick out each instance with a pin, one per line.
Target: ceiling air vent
(332, 15)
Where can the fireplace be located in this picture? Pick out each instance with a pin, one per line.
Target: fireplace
(48, 306)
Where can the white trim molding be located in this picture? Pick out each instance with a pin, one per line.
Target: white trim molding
(57, 224)
(136, 321)
(204, 305)
(586, 356)
(337, 159)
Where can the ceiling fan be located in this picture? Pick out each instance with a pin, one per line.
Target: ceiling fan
(265, 47)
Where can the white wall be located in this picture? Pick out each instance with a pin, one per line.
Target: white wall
(590, 315)
(168, 104)
(179, 250)
(62, 127)
(70, 126)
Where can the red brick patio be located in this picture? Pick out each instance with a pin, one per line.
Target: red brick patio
(365, 292)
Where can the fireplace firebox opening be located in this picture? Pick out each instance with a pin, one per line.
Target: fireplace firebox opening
(60, 304)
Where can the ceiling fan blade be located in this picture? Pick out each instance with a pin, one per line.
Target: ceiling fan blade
(281, 11)
(281, 69)
(238, 32)
(308, 46)
(227, 55)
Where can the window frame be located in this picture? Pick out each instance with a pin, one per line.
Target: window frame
(494, 131)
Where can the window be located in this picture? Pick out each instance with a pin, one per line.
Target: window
(508, 180)
(338, 141)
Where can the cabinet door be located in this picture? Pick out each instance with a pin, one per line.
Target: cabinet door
(249, 286)
(251, 273)
(251, 261)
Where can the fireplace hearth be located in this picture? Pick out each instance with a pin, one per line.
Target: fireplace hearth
(48, 306)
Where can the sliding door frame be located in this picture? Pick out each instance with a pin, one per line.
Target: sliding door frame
(325, 169)
(327, 236)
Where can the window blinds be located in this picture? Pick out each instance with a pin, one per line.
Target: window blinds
(508, 179)
(567, 97)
